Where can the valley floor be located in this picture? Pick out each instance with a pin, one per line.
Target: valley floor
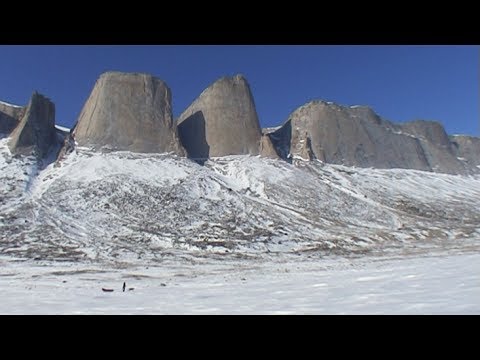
(437, 283)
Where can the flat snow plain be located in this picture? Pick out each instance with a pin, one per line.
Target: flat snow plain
(433, 284)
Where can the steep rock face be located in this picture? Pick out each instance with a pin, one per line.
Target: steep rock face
(68, 146)
(431, 131)
(131, 112)
(467, 148)
(221, 121)
(35, 133)
(266, 148)
(436, 145)
(352, 136)
(9, 117)
(281, 139)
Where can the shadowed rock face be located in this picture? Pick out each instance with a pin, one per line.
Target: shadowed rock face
(467, 148)
(131, 112)
(221, 121)
(35, 133)
(10, 116)
(356, 136)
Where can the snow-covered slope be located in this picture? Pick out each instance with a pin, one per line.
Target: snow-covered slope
(122, 208)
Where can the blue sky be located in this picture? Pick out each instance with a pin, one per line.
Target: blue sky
(401, 83)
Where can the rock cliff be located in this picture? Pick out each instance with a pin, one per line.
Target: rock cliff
(222, 121)
(131, 112)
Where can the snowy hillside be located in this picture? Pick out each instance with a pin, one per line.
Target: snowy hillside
(124, 208)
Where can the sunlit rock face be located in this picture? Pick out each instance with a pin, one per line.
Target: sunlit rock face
(131, 112)
(357, 136)
(222, 121)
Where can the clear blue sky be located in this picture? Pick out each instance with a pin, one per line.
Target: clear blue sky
(401, 83)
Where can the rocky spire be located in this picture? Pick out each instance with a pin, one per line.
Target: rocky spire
(35, 133)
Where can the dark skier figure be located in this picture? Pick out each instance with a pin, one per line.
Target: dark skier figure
(124, 286)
